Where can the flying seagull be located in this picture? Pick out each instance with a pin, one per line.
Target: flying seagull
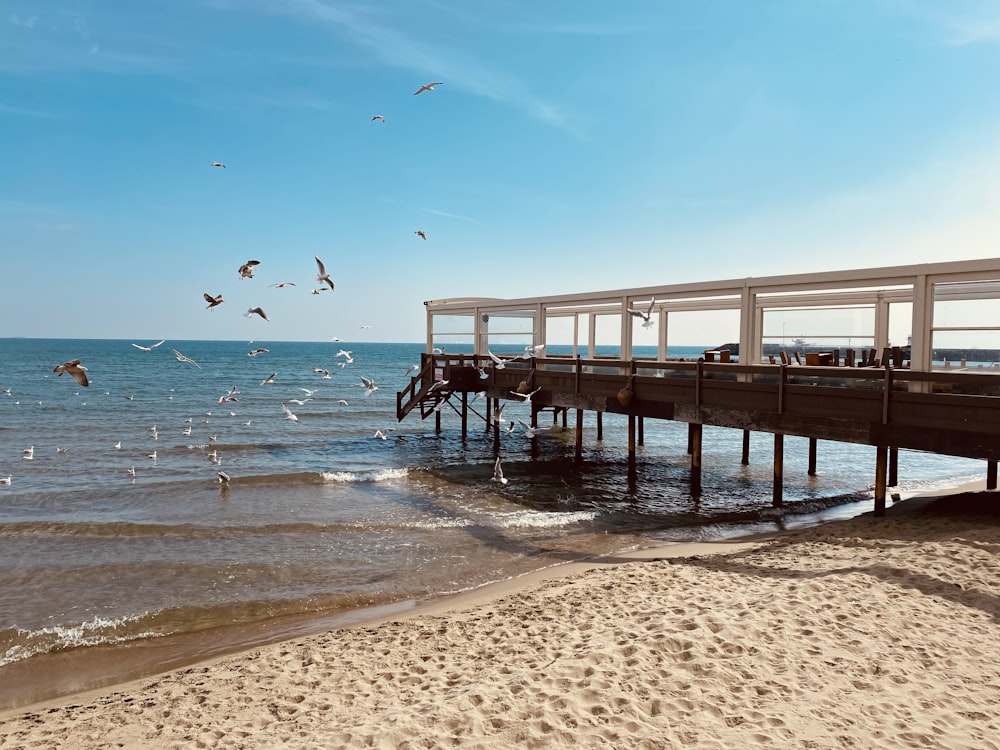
(428, 87)
(269, 379)
(498, 473)
(246, 270)
(150, 347)
(255, 311)
(498, 363)
(369, 385)
(647, 317)
(529, 431)
(420, 233)
(74, 368)
(323, 275)
(532, 351)
(379, 118)
(526, 396)
(218, 164)
(288, 413)
(255, 352)
(182, 358)
(283, 284)
(212, 301)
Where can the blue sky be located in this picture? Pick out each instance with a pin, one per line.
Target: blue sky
(573, 146)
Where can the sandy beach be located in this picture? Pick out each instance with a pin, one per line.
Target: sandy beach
(854, 634)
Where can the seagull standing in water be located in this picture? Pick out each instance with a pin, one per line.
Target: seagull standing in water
(647, 317)
(323, 276)
(75, 369)
(150, 347)
(224, 479)
(28, 453)
(428, 87)
(498, 473)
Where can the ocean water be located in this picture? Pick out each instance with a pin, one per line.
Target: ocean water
(321, 518)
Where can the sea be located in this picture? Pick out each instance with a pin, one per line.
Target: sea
(106, 576)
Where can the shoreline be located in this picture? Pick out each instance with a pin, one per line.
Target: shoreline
(372, 643)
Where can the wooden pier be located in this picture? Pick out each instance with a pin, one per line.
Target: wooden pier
(871, 393)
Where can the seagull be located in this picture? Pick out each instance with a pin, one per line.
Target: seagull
(498, 414)
(227, 399)
(186, 432)
(420, 233)
(29, 453)
(182, 358)
(213, 456)
(5, 480)
(379, 118)
(482, 373)
(348, 356)
(529, 431)
(288, 413)
(269, 379)
(428, 87)
(532, 351)
(74, 368)
(212, 301)
(438, 385)
(308, 391)
(324, 373)
(131, 472)
(341, 402)
(150, 347)
(298, 401)
(255, 352)
(246, 270)
(282, 284)
(411, 368)
(381, 434)
(323, 275)
(223, 479)
(498, 473)
(118, 445)
(647, 317)
(151, 456)
(218, 164)
(318, 291)
(498, 363)
(526, 396)
(369, 385)
(256, 311)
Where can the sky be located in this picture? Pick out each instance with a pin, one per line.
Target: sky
(572, 146)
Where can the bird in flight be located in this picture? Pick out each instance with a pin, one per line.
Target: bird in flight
(255, 352)
(498, 363)
(182, 358)
(256, 311)
(420, 233)
(283, 284)
(218, 164)
(150, 347)
(369, 385)
(529, 431)
(379, 118)
(246, 270)
(269, 379)
(532, 351)
(212, 301)
(498, 473)
(647, 317)
(526, 396)
(288, 413)
(75, 369)
(428, 87)
(323, 275)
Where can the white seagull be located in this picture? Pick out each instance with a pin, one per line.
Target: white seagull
(498, 363)
(255, 352)
(218, 164)
(526, 396)
(223, 479)
(532, 351)
(288, 413)
(131, 472)
(369, 385)
(428, 87)
(498, 473)
(529, 431)
(379, 118)
(647, 317)
(150, 347)
(5, 480)
(28, 453)
(323, 275)
(282, 284)
(246, 270)
(182, 358)
(255, 311)
(269, 379)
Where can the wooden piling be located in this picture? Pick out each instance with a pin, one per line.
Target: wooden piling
(600, 425)
(465, 415)
(745, 459)
(642, 430)
(881, 459)
(694, 436)
(991, 475)
(631, 449)
(579, 435)
(893, 466)
(777, 489)
(812, 457)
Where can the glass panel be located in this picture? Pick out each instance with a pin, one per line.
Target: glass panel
(449, 324)
(608, 329)
(836, 326)
(690, 333)
(966, 313)
(975, 347)
(900, 323)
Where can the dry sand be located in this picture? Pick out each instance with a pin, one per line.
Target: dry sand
(868, 633)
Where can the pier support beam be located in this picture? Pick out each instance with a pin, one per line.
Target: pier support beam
(631, 449)
(812, 457)
(991, 475)
(465, 415)
(881, 460)
(642, 430)
(694, 440)
(893, 466)
(745, 459)
(579, 435)
(779, 470)
(600, 425)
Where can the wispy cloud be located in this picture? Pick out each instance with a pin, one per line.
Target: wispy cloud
(961, 22)
(27, 22)
(393, 44)
(448, 215)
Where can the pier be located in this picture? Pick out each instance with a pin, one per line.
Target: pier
(850, 383)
